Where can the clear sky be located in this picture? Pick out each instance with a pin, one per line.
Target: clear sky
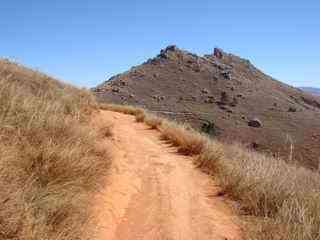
(85, 42)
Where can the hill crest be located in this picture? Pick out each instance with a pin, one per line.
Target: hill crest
(239, 100)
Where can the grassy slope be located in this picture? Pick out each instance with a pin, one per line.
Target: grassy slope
(279, 200)
(49, 161)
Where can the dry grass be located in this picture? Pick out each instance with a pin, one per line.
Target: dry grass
(122, 108)
(140, 117)
(278, 200)
(188, 141)
(154, 122)
(49, 162)
(285, 198)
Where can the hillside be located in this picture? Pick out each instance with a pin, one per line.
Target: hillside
(240, 102)
(50, 164)
(312, 90)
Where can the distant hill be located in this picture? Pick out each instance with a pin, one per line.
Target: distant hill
(227, 95)
(315, 91)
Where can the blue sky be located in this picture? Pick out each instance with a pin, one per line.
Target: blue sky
(85, 42)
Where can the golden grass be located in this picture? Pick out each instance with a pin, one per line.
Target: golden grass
(277, 200)
(122, 108)
(188, 141)
(153, 122)
(50, 165)
(284, 198)
(140, 117)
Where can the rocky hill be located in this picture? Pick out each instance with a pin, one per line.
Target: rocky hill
(226, 96)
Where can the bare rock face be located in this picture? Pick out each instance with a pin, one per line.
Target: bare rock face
(165, 53)
(171, 48)
(218, 53)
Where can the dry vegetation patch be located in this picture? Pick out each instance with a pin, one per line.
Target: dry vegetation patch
(140, 117)
(277, 199)
(49, 162)
(154, 122)
(188, 141)
(131, 110)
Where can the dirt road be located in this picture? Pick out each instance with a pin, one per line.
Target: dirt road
(154, 193)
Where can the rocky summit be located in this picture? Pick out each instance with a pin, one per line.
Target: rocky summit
(225, 96)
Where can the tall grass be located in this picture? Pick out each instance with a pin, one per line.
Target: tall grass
(285, 198)
(276, 199)
(50, 164)
(188, 141)
(131, 110)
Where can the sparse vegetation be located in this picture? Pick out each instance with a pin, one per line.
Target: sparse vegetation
(50, 165)
(283, 200)
(188, 141)
(154, 122)
(227, 107)
(283, 197)
(122, 108)
(140, 117)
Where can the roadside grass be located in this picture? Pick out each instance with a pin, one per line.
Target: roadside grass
(187, 140)
(154, 122)
(140, 117)
(131, 110)
(50, 166)
(276, 200)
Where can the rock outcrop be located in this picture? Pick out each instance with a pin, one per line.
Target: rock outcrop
(227, 90)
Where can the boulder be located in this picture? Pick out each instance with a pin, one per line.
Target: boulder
(171, 48)
(292, 109)
(234, 102)
(123, 83)
(115, 90)
(218, 53)
(224, 99)
(254, 145)
(226, 74)
(164, 53)
(209, 100)
(204, 91)
(255, 122)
